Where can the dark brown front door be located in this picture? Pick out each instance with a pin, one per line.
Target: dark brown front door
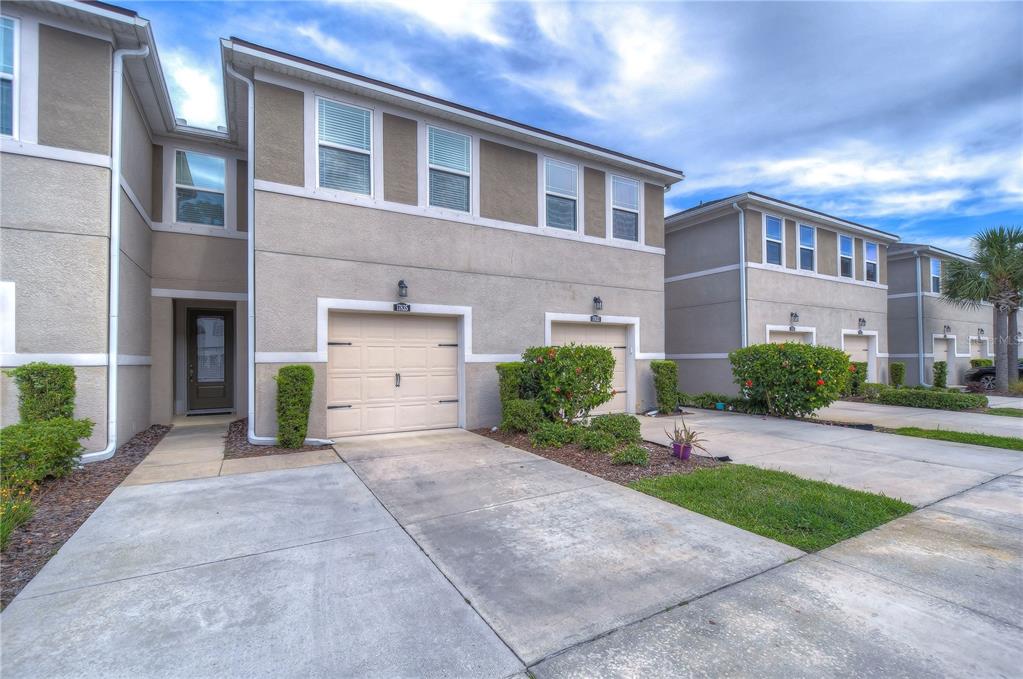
(210, 359)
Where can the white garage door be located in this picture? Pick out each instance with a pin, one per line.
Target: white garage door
(782, 336)
(858, 347)
(391, 373)
(597, 334)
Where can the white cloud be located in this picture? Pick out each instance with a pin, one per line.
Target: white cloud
(454, 18)
(195, 89)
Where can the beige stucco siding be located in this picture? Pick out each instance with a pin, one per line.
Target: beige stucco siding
(707, 245)
(136, 152)
(400, 156)
(48, 195)
(192, 262)
(754, 236)
(74, 91)
(507, 184)
(280, 147)
(156, 202)
(595, 208)
(859, 266)
(827, 252)
(791, 259)
(882, 264)
(653, 217)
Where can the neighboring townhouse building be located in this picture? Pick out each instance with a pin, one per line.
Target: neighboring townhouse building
(750, 269)
(923, 328)
(400, 244)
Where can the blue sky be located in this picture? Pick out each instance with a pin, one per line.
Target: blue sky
(903, 116)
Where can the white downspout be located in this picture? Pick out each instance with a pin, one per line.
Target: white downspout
(742, 274)
(251, 269)
(113, 325)
(919, 320)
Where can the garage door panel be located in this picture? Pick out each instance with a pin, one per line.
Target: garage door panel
(443, 386)
(344, 357)
(344, 421)
(441, 358)
(411, 357)
(857, 347)
(344, 389)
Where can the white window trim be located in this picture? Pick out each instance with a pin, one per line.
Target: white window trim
(175, 186)
(931, 277)
(547, 192)
(15, 79)
(170, 208)
(876, 261)
(611, 207)
(317, 143)
(800, 247)
(852, 258)
(765, 239)
(471, 174)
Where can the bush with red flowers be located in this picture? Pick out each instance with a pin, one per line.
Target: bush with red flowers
(791, 379)
(568, 381)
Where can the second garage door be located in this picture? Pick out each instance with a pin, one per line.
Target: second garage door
(611, 336)
(391, 373)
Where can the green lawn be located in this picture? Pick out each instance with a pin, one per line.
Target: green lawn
(809, 515)
(1005, 412)
(1009, 442)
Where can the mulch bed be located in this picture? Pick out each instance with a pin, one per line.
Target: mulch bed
(61, 506)
(236, 444)
(599, 464)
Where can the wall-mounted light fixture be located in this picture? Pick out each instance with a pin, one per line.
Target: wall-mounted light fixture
(860, 324)
(598, 304)
(947, 329)
(793, 319)
(980, 333)
(402, 288)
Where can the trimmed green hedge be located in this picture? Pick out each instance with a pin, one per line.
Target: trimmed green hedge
(631, 454)
(33, 451)
(981, 362)
(555, 434)
(666, 385)
(622, 427)
(599, 441)
(294, 397)
(790, 379)
(897, 373)
(925, 398)
(940, 374)
(509, 381)
(45, 391)
(521, 415)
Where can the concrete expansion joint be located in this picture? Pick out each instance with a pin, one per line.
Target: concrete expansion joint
(962, 492)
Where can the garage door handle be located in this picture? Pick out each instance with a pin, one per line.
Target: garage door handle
(397, 379)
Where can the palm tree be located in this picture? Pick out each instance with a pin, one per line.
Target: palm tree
(995, 275)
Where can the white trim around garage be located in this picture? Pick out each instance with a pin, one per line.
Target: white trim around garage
(872, 353)
(805, 329)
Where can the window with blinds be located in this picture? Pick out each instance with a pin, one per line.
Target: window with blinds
(8, 38)
(561, 183)
(870, 262)
(199, 188)
(845, 256)
(450, 165)
(774, 240)
(624, 208)
(344, 136)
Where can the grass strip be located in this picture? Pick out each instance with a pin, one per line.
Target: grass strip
(989, 440)
(1005, 412)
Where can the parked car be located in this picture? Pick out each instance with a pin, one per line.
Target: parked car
(985, 376)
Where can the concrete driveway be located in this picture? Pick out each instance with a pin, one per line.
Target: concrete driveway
(918, 471)
(894, 417)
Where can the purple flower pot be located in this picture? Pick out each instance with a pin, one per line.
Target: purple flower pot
(680, 451)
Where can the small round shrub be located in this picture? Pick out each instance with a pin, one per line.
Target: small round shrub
(45, 391)
(599, 441)
(940, 374)
(569, 381)
(624, 428)
(631, 454)
(521, 415)
(790, 379)
(553, 435)
(897, 373)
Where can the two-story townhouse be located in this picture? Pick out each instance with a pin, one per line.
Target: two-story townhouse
(750, 269)
(922, 327)
(399, 243)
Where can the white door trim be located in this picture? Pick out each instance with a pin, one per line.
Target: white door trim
(806, 329)
(631, 344)
(871, 350)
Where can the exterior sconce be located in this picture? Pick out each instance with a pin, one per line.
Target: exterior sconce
(947, 329)
(980, 333)
(860, 324)
(598, 304)
(793, 319)
(402, 288)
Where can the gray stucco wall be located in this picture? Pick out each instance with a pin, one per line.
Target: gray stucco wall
(754, 235)
(696, 376)
(48, 195)
(74, 90)
(595, 208)
(156, 202)
(400, 155)
(507, 183)
(280, 148)
(241, 179)
(193, 262)
(653, 217)
(706, 245)
(136, 151)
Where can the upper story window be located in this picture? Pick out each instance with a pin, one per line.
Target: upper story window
(344, 146)
(870, 261)
(199, 181)
(773, 246)
(450, 162)
(624, 208)
(845, 256)
(935, 274)
(8, 50)
(561, 185)
(807, 247)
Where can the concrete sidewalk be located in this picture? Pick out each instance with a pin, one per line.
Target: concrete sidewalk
(893, 417)
(918, 471)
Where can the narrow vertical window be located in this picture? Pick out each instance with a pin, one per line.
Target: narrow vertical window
(773, 243)
(450, 161)
(935, 274)
(845, 256)
(344, 142)
(199, 182)
(807, 247)
(8, 40)
(624, 208)
(561, 185)
(870, 261)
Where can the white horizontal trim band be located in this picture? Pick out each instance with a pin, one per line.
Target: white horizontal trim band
(23, 148)
(77, 360)
(814, 274)
(705, 272)
(200, 294)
